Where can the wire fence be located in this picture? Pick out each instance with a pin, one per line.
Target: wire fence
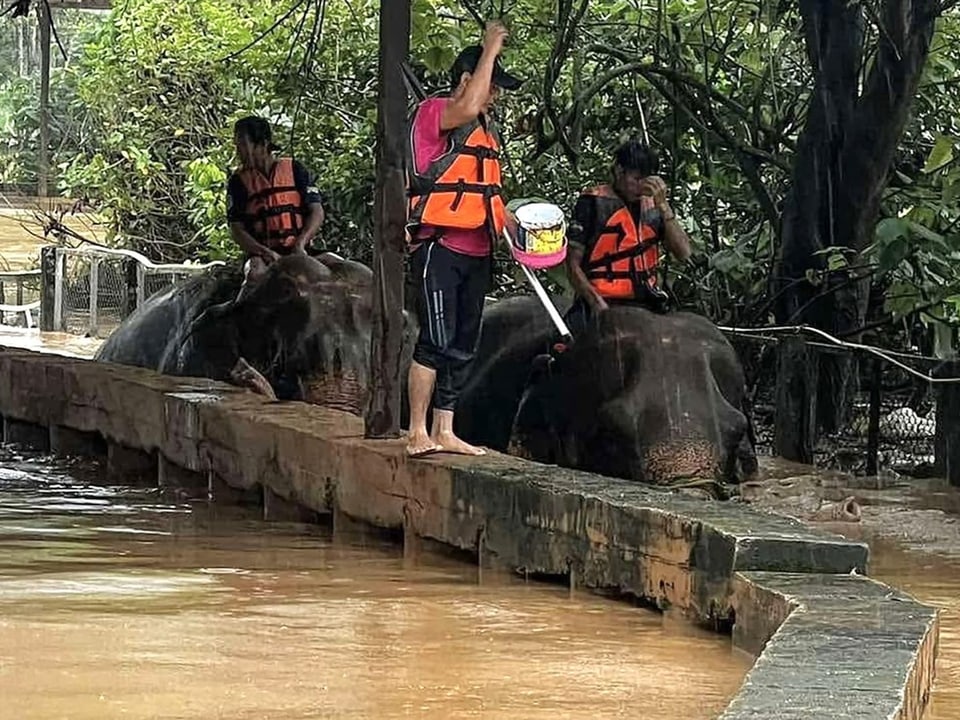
(884, 415)
(886, 403)
(90, 289)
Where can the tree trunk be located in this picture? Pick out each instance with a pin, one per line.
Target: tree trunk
(844, 155)
(43, 149)
(382, 418)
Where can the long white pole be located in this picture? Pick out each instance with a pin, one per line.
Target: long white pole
(544, 298)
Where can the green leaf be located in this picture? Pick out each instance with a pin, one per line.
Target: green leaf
(893, 253)
(890, 229)
(941, 155)
(928, 234)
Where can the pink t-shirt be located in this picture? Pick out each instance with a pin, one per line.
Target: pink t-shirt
(429, 143)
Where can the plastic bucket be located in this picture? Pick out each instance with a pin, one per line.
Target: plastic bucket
(541, 237)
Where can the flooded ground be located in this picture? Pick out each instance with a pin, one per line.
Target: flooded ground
(935, 579)
(116, 603)
(913, 529)
(21, 235)
(54, 343)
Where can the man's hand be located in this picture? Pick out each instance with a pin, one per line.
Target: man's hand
(494, 36)
(511, 226)
(599, 304)
(300, 245)
(655, 188)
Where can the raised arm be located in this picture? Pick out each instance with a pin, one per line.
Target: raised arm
(466, 106)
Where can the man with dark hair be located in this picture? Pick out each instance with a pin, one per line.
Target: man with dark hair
(455, 216)
(273, 206)
(614, 238)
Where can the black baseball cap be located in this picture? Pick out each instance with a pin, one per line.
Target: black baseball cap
(467, 62)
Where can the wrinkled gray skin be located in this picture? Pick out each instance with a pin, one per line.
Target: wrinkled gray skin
(305, 328)
(648, 397)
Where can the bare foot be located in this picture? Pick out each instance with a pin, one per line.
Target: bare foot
(420, 445)
(245, 375)
(450, 443)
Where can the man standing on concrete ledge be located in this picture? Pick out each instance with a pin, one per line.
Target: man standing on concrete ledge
(456, 214)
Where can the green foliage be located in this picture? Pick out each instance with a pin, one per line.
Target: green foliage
(721, 87)
(20, 97)
(19, 131)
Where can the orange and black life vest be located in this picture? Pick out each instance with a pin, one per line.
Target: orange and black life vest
(624, 256)
(462, 188)
(274, 214)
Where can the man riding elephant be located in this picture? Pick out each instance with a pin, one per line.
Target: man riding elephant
(273, 206)
(615, 238)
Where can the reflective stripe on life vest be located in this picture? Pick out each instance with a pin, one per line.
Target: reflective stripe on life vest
(462, 188)
(274, 214)
(623, 256)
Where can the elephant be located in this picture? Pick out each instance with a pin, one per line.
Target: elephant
(655, 398)
(301, 333)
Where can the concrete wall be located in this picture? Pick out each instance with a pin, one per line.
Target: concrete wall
(830, 642)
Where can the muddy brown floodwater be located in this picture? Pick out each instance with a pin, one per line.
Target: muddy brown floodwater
(21, 235)
(933, 579)
(117, 603)
(53, 343)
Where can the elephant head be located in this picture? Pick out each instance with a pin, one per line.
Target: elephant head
(312, 322)
(302, 332)
(655, 398)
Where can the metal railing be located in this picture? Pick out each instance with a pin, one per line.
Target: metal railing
(19, 297)
(90, 289)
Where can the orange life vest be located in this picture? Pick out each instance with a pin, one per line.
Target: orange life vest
(274, 214)
(462, 188)
(624, 256)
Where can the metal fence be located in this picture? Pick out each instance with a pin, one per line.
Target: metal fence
(890, 401)
(20, 298)
(90, 289)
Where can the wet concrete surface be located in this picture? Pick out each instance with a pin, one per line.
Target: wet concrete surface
(52, 343)
(850, 642)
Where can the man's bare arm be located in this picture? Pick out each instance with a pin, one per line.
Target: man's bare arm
(315, 217)
(247, 242)
(675, 238)
(578, 278)
(470, 103)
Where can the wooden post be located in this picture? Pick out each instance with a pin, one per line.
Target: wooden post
(48, 284)
(43, 151)
(382, 419)
(947, 437)
(795, 424)
(131, 285)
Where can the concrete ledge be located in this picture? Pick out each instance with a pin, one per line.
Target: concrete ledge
(846, 642)
(716, 562)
